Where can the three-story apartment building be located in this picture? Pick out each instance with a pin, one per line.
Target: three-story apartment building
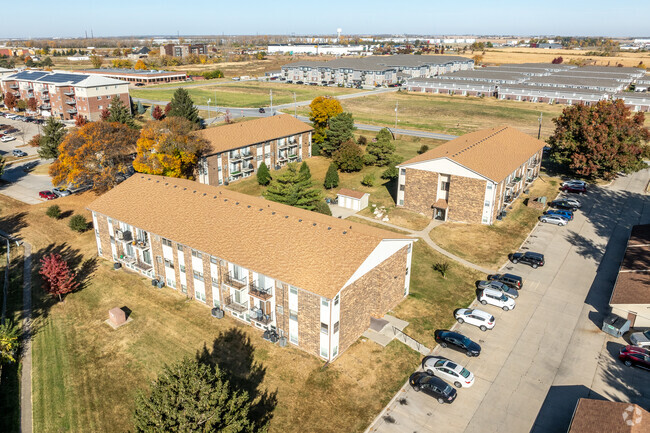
(314, 279)
(471, 178)
(66, 94)
(238, 149)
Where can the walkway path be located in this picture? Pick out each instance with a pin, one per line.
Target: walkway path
(424, 235)
(26, 422)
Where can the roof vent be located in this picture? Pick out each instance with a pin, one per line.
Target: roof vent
(175, 186)
(261, 209)
(300, 220)
(314, 224)
(166, 183)
(214, 196)
(204, 194)
(249, 206)
(286, 216)
(273, 213)
(184, 189)
(236, 202)
(329, 228)
(225, 199)
(157, 181)
(345, 232)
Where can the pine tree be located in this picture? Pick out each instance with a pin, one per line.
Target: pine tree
(381, 149)
(191, 396)
(331, 177)
(293, 189)
(304, 170)
(141, 108)
(53, 133)
(182, 105)
(339, 131)
(119, 113)
(263, 174)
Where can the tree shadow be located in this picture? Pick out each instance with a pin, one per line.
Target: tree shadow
(233, 353)
(12, 224)
(585, 247)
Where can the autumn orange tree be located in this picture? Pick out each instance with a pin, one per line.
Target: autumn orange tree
(322, 109)
(58, 278)
(10, 100)
(140, 65)
(94, 155)
(169, 148)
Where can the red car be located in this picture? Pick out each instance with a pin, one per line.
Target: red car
(633, 355)
(47, 195)
(574, 189)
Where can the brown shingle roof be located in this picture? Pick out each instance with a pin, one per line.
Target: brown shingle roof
(494, 153)
(351, 193)
(601, 416)
(236, 135)
(633, 281)
(309, 250)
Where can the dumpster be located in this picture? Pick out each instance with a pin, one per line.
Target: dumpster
(616, 325)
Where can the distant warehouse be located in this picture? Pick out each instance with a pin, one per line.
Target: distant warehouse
(139, 76)
(373, 70)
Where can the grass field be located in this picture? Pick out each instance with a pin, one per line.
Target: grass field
(504, 55)
(245, 94)
(85, 375)
(490, 245)
(455, 115)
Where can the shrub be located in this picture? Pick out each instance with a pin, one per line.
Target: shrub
(331, 177)
(315, 149)
(441, 267)
(349, 157)
(368, 180)
(422, 149)
(78, 223)
(263, 174)
(322, 207)
(54, 211)
(362, 141)
(390, 173)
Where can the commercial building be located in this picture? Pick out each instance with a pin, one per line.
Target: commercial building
(66, 94)
(314, 279)
(139, 76)
(602, 416)
(237, 150)
(631, 295)
(317, 49)
(373, 70)
(184, 50)
(472, 178)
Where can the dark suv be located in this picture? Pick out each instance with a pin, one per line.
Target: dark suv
(529, 258)
(514, 281)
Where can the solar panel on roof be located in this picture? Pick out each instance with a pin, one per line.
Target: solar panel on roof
(60, 78)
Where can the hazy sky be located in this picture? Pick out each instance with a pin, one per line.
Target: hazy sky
(71, 18)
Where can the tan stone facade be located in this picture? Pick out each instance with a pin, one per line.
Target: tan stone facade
(420, 191)
(466, 196)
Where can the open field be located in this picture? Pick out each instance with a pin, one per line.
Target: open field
(246, 94)
(489, 246)
(252, 68)
(504, 55)
(455, 115)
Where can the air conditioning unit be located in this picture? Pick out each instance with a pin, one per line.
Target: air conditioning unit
(119, 235)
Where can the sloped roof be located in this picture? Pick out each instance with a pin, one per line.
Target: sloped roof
(493, 153)
(351, 193)
(309, 250)
(64, 79)
(236, 135)
(633, 281)
(602, 416)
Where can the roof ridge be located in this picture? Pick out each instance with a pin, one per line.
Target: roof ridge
(503, 128)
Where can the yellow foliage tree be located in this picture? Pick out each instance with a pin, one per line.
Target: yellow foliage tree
(323, 108)
(96, 61)
(140, 65)
(169, 148)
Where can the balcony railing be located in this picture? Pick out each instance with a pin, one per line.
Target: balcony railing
(70, 101)
(133, 262)
(248, 167)
(69, 93)
(294, 156)
(232, 305)
(14, 86)
(72, 111)
(46, 107)
(282, 157)
(261, 318)
(247, 155)
(235, 156)
(260, 292)
(123, 235)
(45, 97)
(236, 282)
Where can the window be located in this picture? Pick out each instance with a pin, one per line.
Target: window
(182, 268)
(159, 259)
(293, 315)
(213, 260)
(335, 328)
(146, 257)
(444, 186)
(99, 98)
(336, 300)
(100, 107)
(169, 264)
(215, 282)
(184, 288)
(401, 202)
(180, 247)
(487, 204)
(196, 254)
(489, 186)
(198, 275)
(401, 187)
(166, 242)
(324, 329)
(324, 303)
(293, 290)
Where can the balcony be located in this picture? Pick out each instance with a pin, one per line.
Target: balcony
(261, 318)
(247, 168)
(282, 157)
(259, 292)
(247, 155)
(134, 263)
(123, 235)
(141, 244)
(69, 93)
(232, 305)
(234, 157)
(70, 102)
(294, 156)
(72, 111)
(236, 282)
(14, 86)
(46, 107)
(45, 97)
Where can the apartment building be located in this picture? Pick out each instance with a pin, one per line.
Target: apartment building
(183, 50)
(238, 149)
(472, 178)
(314, 279)
(373, 70)
(451, 87)
(66, 94)
(139, 76)
(635, 101)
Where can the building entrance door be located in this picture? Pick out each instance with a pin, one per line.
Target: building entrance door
(439, 214)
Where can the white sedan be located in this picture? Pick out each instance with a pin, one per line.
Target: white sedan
(7, 138)
(575, 183)
(448, 370)
(475, 317)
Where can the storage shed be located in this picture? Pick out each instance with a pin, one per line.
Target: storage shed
(351, 199)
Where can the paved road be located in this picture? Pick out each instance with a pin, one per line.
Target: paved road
(546, 353)
(22, 185)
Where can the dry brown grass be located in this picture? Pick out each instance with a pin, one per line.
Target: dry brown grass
(535, 55)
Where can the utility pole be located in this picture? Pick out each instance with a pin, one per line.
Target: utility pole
(396, 106)
(271, 92)
(539, 131)
(295, 106)
(209, 108)
(216, 109)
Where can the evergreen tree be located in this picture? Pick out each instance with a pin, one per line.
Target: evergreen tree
(349, 157)
(382, 149)
(53, 133)
(331, 177)
(322, 207)
(304, 170)
(263, 174)
(292, 188)
(182, 105)
(119, 113)
(192, 397)
(141, 109)
(340, 130)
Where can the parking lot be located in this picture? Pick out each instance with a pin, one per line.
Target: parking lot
(549, 351)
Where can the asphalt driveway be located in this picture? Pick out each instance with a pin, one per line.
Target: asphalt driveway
(546, 353)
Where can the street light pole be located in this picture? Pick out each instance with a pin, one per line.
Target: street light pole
(209, 108)
(539, 131)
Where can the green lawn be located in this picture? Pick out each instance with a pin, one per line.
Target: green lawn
(245, 94)
(455, 115)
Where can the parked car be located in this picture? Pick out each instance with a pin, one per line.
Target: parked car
(60, 192)
(512, 280)
(497, 298)
(47, 195)
(498, 285)
(530, 258)
(554, 219)
(7, 138)
(448, 370)
(476, 317)
(637, 356)
(573, 202)
(641, 339)
(563, 205)
(18, 153)
(575, 182)
(563, 213)
(433, 386)
(261, 110)
(574, 189)
(139, 84)
(457, 341)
